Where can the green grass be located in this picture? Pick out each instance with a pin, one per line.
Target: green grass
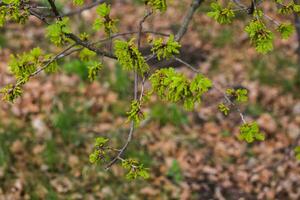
(77, 67)
(7, 136)
(68, 121)
(175, 172)
(224, 37)
(122, 83)
(165, 114)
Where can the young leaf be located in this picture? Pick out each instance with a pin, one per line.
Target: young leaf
(221, 15)
(57, 32)
(250, 132)
(285, 30)
(130, 57)
(160, 5)
(94, 68)
(167, 49)
(260, 36)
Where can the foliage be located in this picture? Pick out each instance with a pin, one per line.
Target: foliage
(223, 108)
(11, 93)
(99, 152)
(250, 132)
(221, 15)
(14, 11)
(104, 20)
(297, 152)
(240, 95)
(165, 50)
(57, 32)
(94, 68)
(260, 36)
(172, 86)
(285, 30)
(130, 57)
(135, 112)
(78, 2)
(135, 169)
(160, 5)
(168, 84)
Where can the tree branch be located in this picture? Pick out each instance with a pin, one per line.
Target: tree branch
(135, 94)
(80, 10)
(187, 19)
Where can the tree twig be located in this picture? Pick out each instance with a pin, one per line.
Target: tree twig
(135, 93)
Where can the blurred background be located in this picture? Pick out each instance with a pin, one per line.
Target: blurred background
(48, 134)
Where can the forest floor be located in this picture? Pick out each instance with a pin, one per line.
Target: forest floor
(48, 134)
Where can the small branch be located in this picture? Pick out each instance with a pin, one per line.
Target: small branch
(56, 57)
(54, 9)
(186, 21)
(194, 69)
(141, 28)
(135, 94)
(80, 10)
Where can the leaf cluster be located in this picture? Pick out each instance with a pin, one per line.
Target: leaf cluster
(78, 2)
(285, 30)
(260, 36)
(57, 32)
(13, 10)
(220, 14)
(11, 93)
(166, 49)
(135, 112)
(135, 169)
(250, 132)
(130, 57)
(240, 95)
(160, 5)
(104, 19)
(93, 70)
(99, 152)
(223, 108)
(172, 86)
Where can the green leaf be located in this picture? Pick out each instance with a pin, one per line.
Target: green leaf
(130, 57)
(285, 30)
(100, 149)
(241, 95)
(260, 36)
(104, 19)
(165, 49)
(223, 108)
(135, 169)
(175, 87)
(135, 112)
(221, 15)
(57, 32)
(250, 132)
(11, 93)
(78, 2)
(160, 5)
(93, 70)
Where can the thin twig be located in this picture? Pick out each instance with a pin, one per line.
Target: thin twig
(135, 93)
(194, 69)
(56, 57)
(80, 10)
